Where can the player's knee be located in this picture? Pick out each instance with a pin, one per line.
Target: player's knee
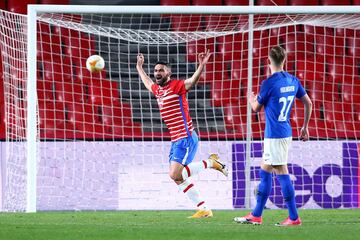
(281, 169)
(175, 176)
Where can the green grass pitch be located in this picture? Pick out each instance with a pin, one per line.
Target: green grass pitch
(123, 225)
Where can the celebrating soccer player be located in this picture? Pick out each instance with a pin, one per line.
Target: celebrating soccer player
(174, 110)
(277, 94)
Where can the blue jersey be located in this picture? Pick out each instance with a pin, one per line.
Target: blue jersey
(277, 94)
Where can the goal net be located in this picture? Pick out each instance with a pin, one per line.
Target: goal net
(101, 144)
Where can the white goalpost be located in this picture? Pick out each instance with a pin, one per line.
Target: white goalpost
(82, 141)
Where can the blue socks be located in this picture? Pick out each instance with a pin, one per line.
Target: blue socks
(264, 190)
(288, 194)
(263, 193)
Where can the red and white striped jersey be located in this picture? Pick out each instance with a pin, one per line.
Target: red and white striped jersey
(174, 108)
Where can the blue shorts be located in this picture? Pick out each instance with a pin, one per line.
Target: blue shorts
(183, 151)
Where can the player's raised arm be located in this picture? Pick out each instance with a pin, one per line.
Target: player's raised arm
(304, 132)
(203, 59)
(144, 77)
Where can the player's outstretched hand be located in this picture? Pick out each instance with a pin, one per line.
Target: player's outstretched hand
(204, 57)
(140, 60)
(304, 134)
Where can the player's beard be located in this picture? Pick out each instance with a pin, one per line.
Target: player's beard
(161, 81)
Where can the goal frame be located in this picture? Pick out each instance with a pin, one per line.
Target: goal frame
(34, 9)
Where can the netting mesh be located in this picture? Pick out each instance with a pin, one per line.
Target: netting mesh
(101, 134)
(13, 49)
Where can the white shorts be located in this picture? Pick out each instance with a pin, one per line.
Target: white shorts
(276, 151)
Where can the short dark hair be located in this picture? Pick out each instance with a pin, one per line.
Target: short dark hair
(277, 55)
(163, 63)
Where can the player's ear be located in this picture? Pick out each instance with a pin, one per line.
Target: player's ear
(169, 72)
(268, 61)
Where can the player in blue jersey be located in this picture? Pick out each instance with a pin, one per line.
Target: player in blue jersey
(277, 95)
